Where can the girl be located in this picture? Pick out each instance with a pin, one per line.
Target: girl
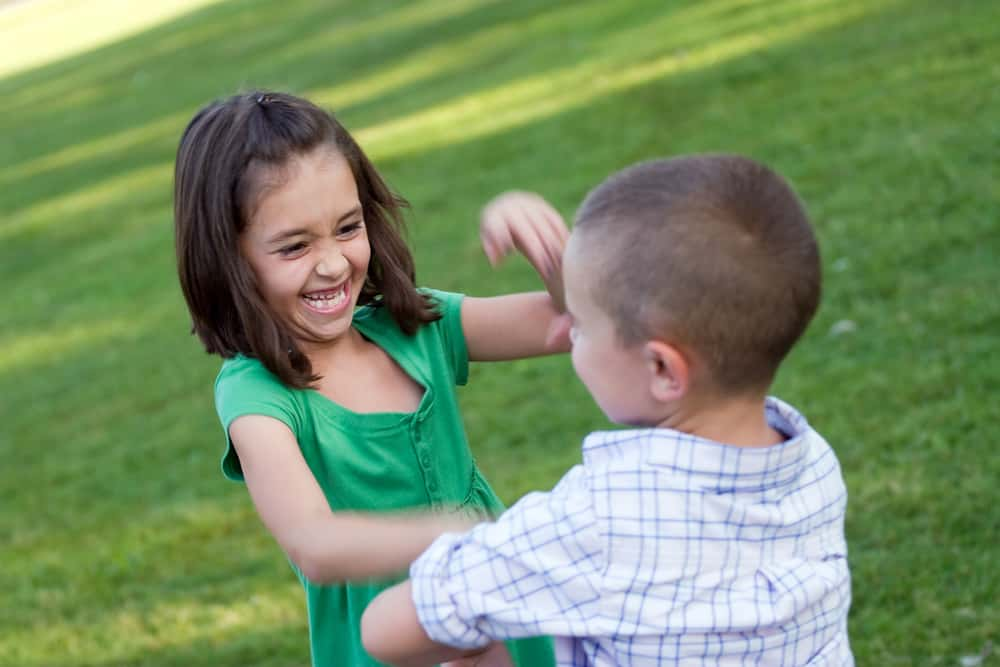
(337, 389)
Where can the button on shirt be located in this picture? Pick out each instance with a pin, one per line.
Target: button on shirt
(661, 548)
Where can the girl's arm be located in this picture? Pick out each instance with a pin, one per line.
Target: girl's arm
(520, 325)
(514, 326)
(326, 546)
(391, 633)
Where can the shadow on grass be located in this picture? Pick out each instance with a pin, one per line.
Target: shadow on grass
(164, 74)
(121, 108)
(113, 172)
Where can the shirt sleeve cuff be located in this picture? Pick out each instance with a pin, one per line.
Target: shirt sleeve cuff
(440, 608)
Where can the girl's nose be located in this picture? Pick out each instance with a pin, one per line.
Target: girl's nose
(332, 263)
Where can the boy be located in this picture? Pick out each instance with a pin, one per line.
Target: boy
(712, 532)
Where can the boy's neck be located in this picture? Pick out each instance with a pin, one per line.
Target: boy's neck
(735, 421)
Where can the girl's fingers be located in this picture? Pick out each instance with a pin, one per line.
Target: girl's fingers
(553, 229)
(530, 239)
(558, 335)
(553, 240)
(555, 220)
(527, 222)
(554, 286)
(495, 235)
(558, 226)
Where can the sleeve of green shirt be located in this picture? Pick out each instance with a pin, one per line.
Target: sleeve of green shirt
(245, 387)
(452, 335)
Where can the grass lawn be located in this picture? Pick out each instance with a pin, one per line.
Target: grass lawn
(121, 544)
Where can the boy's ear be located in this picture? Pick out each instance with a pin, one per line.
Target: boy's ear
(669, 371)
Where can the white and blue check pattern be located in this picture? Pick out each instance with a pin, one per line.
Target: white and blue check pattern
(660, 549)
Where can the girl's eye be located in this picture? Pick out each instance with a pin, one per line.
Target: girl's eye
(574, 333)
(350, 229)
(292, 249)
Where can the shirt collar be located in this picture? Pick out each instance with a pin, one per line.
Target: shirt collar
(722, 467)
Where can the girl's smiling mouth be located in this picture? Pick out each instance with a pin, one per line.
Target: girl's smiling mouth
(326, 302)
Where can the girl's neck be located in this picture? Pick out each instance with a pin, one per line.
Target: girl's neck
(350, 345)
(360, 376)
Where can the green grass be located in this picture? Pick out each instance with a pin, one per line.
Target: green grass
(120, 544)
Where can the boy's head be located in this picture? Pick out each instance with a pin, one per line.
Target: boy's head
(696, 273)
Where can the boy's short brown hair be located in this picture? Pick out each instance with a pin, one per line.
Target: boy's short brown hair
(714, 253)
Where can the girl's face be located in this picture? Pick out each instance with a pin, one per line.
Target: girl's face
(308, 246)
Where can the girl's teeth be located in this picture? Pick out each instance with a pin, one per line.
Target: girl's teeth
(327, 301)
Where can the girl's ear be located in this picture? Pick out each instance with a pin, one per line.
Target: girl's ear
(669, 371)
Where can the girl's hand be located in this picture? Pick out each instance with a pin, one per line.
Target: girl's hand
(526, 222)
(495, 655)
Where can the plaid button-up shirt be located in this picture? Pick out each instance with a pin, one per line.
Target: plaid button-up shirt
(660, 549)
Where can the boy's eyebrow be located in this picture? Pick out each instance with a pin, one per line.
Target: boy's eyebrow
(289, 233)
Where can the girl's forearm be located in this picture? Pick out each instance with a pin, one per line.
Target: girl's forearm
(391, 633)
(347, 547)
(514, 326)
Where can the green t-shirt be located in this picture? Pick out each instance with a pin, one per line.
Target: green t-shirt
(374, 461)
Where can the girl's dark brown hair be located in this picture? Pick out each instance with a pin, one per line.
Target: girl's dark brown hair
(223, 155)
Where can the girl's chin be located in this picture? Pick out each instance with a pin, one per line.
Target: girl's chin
(311, 334)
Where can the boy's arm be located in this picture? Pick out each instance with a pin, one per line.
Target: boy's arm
(520, 325)
(535, 571)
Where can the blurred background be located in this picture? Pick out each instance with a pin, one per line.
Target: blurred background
(120, 542)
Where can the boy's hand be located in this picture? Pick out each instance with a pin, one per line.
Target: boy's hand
(495, 655)
(525, 221)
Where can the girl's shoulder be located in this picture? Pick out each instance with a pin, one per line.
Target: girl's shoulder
(439, 344)
(242, 376)
(447, 304)
(378, 319)
(245, 368)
